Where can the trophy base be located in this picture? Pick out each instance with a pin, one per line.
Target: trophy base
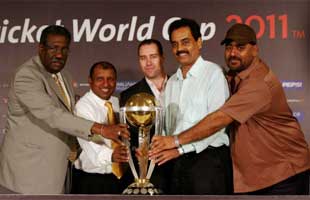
(141, 187)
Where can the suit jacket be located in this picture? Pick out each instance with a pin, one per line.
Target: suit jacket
(33, 156)
(139, 87)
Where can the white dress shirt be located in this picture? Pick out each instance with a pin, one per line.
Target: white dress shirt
(158, 94)
(189, 100)
(95, 158)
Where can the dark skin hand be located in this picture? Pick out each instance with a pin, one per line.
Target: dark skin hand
(114, 132)
(162, 146)
(161, 143)
(166, 155)
(163, 149)
(138, 152)
(120, 154)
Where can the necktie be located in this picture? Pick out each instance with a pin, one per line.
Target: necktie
(73, 143)
(117, 168)
(62, 91)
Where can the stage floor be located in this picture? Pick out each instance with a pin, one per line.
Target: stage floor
(6, 194)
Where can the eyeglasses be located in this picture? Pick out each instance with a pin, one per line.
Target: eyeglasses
(54, 50)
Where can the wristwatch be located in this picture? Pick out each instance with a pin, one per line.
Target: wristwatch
(181, 150)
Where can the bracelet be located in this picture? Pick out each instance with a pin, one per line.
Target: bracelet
(176, 141)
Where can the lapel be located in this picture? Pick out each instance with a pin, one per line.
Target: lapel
(51, 82)
(145, 87)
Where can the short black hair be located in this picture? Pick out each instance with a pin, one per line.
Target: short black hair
(102, 65)
(152, 41)
(184, 22)
(54, 30)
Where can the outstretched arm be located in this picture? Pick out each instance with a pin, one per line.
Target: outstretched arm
(161, 146)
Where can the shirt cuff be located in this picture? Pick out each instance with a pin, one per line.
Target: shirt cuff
(187, 148)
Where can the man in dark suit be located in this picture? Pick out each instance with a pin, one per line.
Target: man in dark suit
(151, 59)
(40, 123)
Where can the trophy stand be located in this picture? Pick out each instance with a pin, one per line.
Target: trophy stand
(140, 111)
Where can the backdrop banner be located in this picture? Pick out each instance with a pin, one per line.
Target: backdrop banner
(111, 30)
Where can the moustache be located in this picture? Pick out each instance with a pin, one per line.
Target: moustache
(234, 58)
(58, 60)
(179, 52)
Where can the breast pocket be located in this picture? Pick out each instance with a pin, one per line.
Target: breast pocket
(196, 109)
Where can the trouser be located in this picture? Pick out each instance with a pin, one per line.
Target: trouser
(206, 173)
(161, 177)
(94, 183)
(294, 185)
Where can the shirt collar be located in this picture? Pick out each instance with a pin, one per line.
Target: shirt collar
(245, 73)
(194, 71)
(98, 99)
(151, 84)
(58, 75)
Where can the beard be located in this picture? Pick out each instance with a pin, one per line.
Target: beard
(236, 64)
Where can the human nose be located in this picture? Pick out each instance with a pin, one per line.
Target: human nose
(59, 53)
(175, 46)
(148, 61)
(179, 46)
(104, 83)
(233, 51)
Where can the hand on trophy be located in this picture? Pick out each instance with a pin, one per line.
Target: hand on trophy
(165, 155)
(161, 143)
(114, 132)
(163, 149)
(120, 154)
(139, 153)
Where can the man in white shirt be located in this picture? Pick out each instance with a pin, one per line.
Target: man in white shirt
(93, 169)
(197, 88)
(151, 59)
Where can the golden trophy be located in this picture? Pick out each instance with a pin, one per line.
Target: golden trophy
(142, 111)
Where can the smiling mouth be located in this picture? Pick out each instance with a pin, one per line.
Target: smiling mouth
(182, 54)
(105, 90)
